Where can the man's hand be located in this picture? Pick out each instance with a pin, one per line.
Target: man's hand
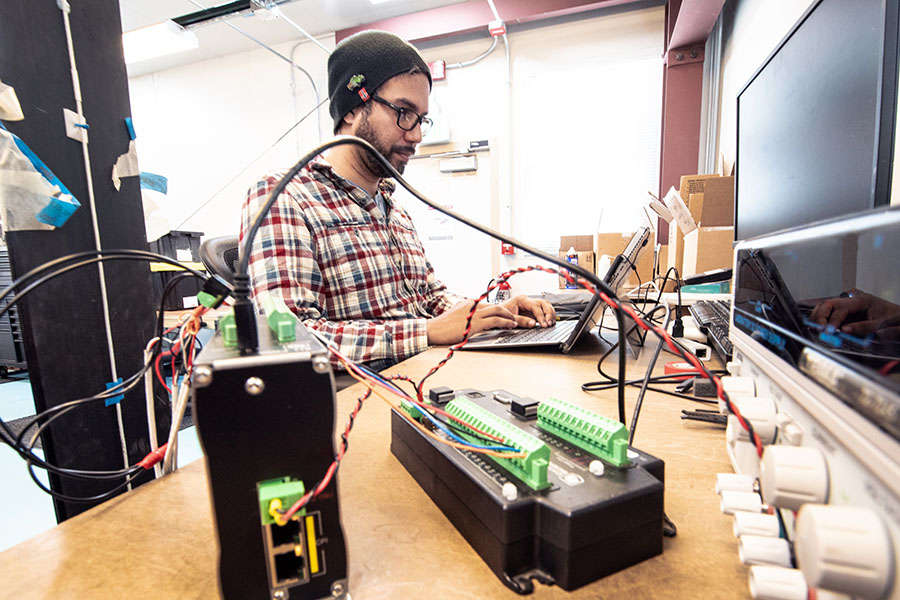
(520, 311)
(537, 311)
(449, 327)
(860, 314)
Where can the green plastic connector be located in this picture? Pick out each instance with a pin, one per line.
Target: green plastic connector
(589, 431)
(411, 409)
(285, 491)
(228, 329)
(208, 300)
(282, 321)
(532, 469)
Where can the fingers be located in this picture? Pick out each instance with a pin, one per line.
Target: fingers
(541, 311)
(544, 313)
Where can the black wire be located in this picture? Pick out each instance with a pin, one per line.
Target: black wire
(640, 399)
(67, 498)
(246, 326)
(53, 413)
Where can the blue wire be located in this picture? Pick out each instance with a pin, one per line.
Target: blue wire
(455, 437)
(431, 418)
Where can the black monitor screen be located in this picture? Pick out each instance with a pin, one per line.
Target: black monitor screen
(815, 123)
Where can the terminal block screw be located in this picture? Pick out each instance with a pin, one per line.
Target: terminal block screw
(320, 364)
(254, 386)
(337, 589)
(202, 376)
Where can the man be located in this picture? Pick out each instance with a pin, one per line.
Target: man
(337, 248)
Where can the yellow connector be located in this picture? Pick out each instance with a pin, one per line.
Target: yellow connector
(274, 507)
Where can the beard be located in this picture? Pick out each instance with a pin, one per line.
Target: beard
(368, 133)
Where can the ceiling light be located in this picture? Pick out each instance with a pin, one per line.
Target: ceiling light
(157, 40)
(379, 1)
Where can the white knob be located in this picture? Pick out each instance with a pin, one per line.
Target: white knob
(763, 550)
(510, 491)
(739, 386)
(777, 583)
(736, 387)
(749, 523)
(733, 482)
(844, 549)
(760, 412)
(791, 476)
(789, 432)
(735, 501)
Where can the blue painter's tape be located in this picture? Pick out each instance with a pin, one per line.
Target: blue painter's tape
(152, 181)
(61, 208)
(58, 211)
(130, 126)
(114, 399)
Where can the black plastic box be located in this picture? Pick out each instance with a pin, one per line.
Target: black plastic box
(170, 245)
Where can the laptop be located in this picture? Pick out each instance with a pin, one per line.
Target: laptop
(565, 334)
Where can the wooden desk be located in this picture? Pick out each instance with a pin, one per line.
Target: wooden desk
(158, 541)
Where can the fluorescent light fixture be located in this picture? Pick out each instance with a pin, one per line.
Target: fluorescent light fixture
(379, 1)
(157, 40)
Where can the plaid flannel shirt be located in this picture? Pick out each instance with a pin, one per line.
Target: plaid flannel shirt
(326, 249)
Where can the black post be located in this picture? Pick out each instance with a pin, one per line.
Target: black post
(63, 320)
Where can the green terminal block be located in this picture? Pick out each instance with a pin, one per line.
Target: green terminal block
(282, 321)
(411, 409)
(532, 469)
(594, 433)
(286, 490)
(227, 327)
(208, 300)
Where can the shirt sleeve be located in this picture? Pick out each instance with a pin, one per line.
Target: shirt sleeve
(283, 263)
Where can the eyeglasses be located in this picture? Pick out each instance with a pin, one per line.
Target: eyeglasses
(406, 119)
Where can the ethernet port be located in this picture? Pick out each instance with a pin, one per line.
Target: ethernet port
(288, 566)
(288, 533)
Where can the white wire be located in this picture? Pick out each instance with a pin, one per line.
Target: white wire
(76, 85)
(149, 397)
(178, 408)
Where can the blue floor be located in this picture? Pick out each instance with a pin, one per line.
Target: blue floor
(25, 510)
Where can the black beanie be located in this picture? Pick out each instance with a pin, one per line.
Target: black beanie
(361, 63)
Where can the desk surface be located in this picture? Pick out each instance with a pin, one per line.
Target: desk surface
(158, 541)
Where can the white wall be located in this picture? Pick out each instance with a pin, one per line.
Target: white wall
(564, 144)
(202, 124)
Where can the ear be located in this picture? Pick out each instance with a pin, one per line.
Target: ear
(352, 117)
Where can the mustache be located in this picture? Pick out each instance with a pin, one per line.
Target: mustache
(403, 150)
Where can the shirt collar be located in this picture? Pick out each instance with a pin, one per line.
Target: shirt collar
(385, 186)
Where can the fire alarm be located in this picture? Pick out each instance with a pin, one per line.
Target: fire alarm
(507, 248)
(438, 70)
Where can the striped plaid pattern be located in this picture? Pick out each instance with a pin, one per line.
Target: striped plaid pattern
(327, 251)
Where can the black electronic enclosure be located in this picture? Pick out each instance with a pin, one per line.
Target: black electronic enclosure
(263, 418)
(583, 527)
(815, 123)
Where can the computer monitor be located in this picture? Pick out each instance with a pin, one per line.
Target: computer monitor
(815, 135)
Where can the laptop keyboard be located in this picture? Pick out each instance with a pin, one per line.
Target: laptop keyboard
(557, 333)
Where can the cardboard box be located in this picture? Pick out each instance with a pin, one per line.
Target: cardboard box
(584, 248)
(707, 248)
(710, 200)
(611, 244)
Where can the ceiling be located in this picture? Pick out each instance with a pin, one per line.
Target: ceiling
(317, 17)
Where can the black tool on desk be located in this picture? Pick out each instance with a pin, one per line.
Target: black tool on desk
(266, 424)
(579, 506)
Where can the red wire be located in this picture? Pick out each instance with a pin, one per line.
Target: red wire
(583, 283)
